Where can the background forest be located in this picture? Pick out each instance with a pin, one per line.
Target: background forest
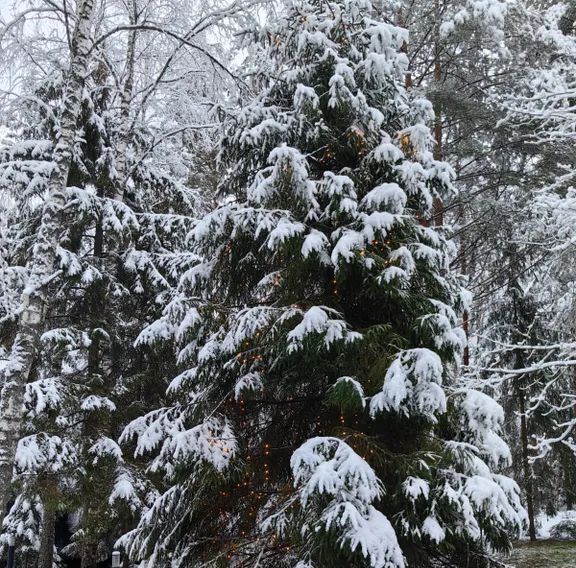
(285, 283)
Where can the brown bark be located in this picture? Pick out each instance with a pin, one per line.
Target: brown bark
(89, 555)
(47, 537)
(466, 327)
(527, 470)
(438, 206)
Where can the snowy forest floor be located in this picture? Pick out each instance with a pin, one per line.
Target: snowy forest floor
(546, 552)
(545, 523)
(543, 554)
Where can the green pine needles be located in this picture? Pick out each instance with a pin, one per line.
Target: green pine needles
(317, 421)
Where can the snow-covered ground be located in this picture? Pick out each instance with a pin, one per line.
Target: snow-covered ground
(544, 523)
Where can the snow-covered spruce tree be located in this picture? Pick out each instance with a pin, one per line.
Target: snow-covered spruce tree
(50, 465)
(526, 350)
(311, 424)
(125, 213)
(88, 380)
(481, 51)
(12, 276)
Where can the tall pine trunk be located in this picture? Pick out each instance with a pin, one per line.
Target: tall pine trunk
(42, 263)
(46, 552)
(89, 556)
(438, 206)
(526, 469)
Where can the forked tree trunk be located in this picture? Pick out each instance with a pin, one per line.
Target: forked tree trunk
(42, 263)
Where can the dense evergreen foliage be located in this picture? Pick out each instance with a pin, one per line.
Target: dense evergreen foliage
(238, 243)
(317, 337)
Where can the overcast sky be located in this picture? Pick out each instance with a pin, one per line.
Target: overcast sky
(5, 5)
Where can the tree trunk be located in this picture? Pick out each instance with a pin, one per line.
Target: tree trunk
(438, 206)
(464, 271)
(528, 485)
(46, 552)
(11, 555)
(42, 263)
(89, 555)
(521, 398)
(403, 49)
(125, 101)
(566, 23)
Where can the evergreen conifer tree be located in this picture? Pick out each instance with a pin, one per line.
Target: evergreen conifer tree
(88, 380)
(317, 420)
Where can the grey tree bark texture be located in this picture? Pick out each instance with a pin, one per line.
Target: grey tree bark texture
(42, 264)
(46, 552)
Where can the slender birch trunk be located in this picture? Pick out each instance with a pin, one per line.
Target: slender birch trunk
(125, 102)
(42, 264)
